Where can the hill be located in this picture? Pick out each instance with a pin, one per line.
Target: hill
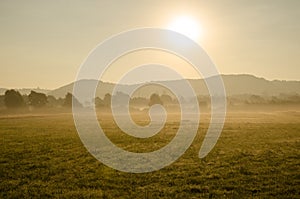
(234, 85)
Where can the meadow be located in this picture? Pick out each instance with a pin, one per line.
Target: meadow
(257, 156)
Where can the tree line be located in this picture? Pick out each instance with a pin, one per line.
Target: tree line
(12, 99)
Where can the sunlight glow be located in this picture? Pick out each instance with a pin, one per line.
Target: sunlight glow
(186, 26)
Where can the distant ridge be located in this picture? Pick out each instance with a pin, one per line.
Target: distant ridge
(234, 84)
(238, 84)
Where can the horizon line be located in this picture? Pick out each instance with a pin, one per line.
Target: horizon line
(128, 84)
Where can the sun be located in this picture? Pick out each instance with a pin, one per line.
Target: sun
(186, 26)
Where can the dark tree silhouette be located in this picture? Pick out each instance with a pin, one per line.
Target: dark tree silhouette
(68, 101)
(107, 100)
(98, 102)
(53, 102)
(37, 99)
(13, 99)
(155, 99)
(139, 101)
(2, 101)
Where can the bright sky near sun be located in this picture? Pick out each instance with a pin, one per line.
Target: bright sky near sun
(187, 26)
(43, 43)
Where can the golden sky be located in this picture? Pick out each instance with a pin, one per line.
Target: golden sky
(43, 43)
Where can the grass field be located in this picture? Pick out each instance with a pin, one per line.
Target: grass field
(257, 155)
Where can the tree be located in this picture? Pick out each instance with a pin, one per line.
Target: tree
(98, 102)
(69, 99)
(53, 102)
(107, 100)
(155, 99)
(13, 99)
(2, 101)
(37, 99)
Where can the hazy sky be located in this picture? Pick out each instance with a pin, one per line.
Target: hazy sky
(43, 43)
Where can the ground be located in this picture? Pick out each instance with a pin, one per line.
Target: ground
(256, 156)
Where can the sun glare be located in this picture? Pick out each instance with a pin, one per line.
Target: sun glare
(186, 26)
